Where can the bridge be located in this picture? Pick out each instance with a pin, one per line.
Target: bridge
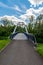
(23, 36)
(21, 50)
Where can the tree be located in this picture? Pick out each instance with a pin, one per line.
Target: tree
(6, 22)
(30, 25)
(39, 19)
(31, 18)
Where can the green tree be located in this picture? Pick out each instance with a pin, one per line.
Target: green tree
(6, 22)
(30, 25)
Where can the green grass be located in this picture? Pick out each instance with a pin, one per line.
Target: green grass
(4, 43)
(40, 49)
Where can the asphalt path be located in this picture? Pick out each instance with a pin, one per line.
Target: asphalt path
(20, 52)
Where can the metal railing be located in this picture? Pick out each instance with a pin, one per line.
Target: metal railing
(31, 37)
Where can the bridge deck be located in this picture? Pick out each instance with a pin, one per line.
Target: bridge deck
(20, 36)
(20, 53)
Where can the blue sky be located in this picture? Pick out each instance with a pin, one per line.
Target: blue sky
(21, 9)
(7, 7)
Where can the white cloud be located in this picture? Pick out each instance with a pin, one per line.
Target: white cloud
(3, 5)
(23, 17)
(16, 8)
(23, 7)
(31, 11)
(35, 2)
(34, 11)
(14, 19)
(39, 11)
(28, 13)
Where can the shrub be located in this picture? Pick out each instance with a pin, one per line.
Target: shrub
(5, 32)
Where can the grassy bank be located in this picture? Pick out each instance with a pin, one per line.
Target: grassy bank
(4, 43)
(40, 49)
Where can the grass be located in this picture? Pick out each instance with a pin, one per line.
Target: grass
(40, 49)
(4, 43)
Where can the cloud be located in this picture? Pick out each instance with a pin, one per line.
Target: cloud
(23, 7)
(16, 7)
(14, 19)
(3, 5)
(27, 15)
(24, 17)
(35, 11)
(31, 11)
(35, 2)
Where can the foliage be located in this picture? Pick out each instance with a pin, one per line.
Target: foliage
(6, 31)
(40, 49)
(37, 28)
(20, 29)
(6, 22)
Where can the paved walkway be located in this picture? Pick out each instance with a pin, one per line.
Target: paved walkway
(20, 53)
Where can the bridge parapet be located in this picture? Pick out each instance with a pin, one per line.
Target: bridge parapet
(31, 37)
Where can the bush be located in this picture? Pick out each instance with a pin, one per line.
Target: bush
(5, 32)
(40, 49)
(3, 37)
(20, 29)
(39, 40)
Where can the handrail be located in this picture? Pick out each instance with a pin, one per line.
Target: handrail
(13, 35)
(31, 37)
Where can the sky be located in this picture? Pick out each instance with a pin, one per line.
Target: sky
(20, 10)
